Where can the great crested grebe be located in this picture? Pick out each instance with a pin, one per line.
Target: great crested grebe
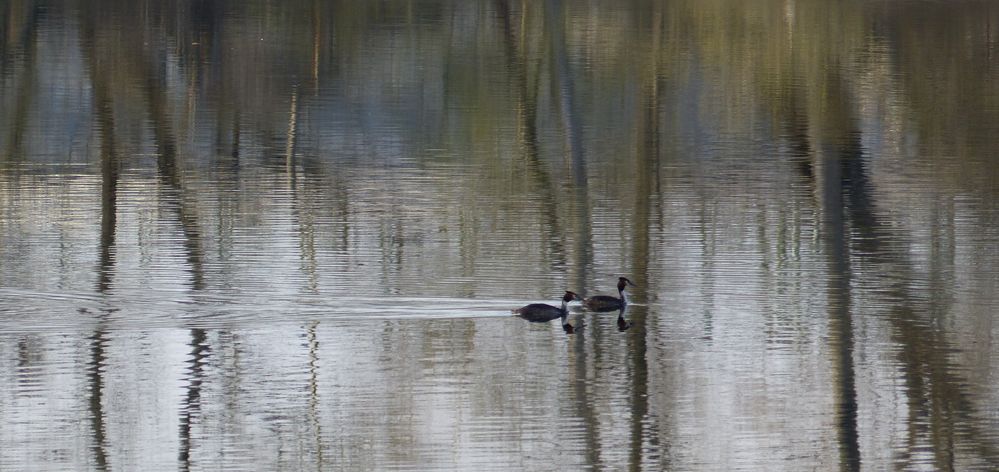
(607, 302)
(541, 312)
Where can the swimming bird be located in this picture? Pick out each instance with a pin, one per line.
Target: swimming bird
(607, 302)
(541, 312)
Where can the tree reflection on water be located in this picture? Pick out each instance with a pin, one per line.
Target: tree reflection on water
(806, 189)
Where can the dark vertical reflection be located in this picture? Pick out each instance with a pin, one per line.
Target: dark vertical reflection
(95, 384)
(560, 73)
(303, 210)
(794, 124)
(18, 34)
(190, 407)
(171, 175)
(555, 19)
(853, 231)
(305, 219)
(939, 408)
(840, 317)
(103, 111)
(317, 45)
(109, 166)
(937, 400)
(291, 134)
(527, 129)
(314, 408)
(169, 170)
(832, 187)
(647, 157)
(28, 44)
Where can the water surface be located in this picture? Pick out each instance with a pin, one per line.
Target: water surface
(288, 235)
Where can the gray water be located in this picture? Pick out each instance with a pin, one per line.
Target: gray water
(274, 235)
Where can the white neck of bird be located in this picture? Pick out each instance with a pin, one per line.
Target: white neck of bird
(564, 303)
(624, 297)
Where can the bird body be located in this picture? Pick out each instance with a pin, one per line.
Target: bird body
(607, 302)
(542, 312)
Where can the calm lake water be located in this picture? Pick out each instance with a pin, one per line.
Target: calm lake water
(272, 235)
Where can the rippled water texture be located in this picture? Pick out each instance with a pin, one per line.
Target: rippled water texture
(287, 235)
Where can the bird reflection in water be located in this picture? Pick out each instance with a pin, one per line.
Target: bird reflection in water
(622, 323)
(570, 329)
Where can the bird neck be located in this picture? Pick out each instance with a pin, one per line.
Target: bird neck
(564, 305)
(624, 298)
